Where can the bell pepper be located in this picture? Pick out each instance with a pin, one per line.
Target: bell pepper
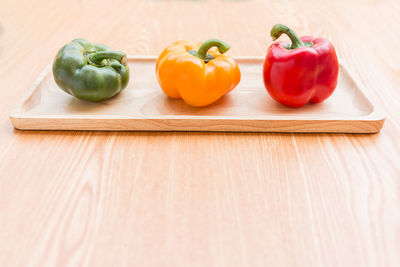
(305, 71)
(90, 71)
(198, 74)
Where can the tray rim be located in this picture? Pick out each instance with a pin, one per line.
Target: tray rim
(17, 114)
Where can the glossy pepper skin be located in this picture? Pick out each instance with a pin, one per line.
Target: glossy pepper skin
(90, 71)
(185, 70)
(304, 72)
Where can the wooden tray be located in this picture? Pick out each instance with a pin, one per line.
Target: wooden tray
(142, 106)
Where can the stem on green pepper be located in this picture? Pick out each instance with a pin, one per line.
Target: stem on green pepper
(98, 57)
(202, 52)
(278, 29)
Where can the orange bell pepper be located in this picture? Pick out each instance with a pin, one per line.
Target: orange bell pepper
(199, 74)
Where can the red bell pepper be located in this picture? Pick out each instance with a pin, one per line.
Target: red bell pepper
(305, 71)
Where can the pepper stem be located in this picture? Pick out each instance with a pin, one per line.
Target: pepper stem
(278, 29)
(202, 52)
(98, 57)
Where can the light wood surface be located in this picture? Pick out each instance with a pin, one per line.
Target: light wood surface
(142, 106)
(199, 199)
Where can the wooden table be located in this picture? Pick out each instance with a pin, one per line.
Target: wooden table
(199, 199)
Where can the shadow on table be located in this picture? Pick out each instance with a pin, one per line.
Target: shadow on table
(183, 133)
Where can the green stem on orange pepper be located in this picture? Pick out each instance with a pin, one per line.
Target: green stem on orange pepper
(202, 52)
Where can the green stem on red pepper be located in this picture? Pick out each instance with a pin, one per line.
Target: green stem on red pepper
(279, 29)
(202, 52)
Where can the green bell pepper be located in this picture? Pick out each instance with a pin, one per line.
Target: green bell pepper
(90, 71)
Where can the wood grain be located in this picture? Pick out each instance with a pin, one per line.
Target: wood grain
(199, 199)
(142, 106)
